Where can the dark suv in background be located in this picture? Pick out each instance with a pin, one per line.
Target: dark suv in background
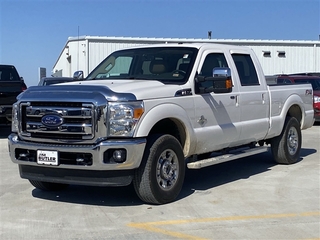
(301, 78)
(11, 85)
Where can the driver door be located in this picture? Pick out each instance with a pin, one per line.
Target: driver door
(217, 116)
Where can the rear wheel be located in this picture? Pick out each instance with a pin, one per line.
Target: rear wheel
(160, 177)
(48, 186)
(286, 147)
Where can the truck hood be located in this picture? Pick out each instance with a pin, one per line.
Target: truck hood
(100, 90)
(141, 89)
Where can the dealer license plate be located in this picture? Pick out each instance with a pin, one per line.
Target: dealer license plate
(47, 157)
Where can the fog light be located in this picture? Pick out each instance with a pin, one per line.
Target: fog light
(23, 156)
(119, 156)
(79, 160)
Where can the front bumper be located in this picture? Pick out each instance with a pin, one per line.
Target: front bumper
(92, 172)
(133, 147)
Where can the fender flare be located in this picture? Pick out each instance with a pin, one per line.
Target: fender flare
(168, 111)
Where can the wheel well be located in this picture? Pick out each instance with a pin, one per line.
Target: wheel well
(172, 127)
(295, 111)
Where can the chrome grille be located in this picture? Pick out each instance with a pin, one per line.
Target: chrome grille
(77, 120)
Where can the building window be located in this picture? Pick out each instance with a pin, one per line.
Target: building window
(266, 53)
(281, 54)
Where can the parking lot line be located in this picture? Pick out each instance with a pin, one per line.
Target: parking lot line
(155, 226)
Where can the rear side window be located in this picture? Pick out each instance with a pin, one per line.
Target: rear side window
(246, 70)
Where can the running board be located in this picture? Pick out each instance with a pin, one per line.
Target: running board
(240, 153)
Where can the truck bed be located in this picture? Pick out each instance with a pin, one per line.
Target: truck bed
(280, 95)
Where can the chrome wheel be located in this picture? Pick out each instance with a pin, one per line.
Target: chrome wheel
(159, 178)
(167, 169)
(286, 147)
(292, 141)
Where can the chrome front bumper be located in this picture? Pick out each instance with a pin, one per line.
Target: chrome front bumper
(134, 153)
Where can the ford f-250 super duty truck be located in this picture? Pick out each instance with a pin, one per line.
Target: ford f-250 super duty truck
(145, 114)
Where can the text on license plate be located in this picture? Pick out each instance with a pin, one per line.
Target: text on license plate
(47, 157)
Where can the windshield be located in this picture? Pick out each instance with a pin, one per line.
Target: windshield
(170, 65)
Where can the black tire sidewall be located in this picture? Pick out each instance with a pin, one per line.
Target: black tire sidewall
(145, 182)
(166, 142)
(279, 145)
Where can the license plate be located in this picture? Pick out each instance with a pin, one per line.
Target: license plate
(47, 157)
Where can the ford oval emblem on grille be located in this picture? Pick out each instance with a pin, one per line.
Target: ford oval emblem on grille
(51, 120)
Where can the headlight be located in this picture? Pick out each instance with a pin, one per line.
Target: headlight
(15, 118)
(123, 118)
(316, 99)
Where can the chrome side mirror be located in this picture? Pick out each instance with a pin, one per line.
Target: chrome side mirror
(78, 75)
(221, 72)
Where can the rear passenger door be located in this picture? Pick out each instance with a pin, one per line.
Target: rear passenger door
(253, 100)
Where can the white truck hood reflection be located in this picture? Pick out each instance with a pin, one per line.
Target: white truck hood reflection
(142, 89)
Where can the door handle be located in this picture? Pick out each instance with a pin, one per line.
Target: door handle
(236, 98)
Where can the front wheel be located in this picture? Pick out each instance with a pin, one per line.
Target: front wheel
(48, 186)
(160, 177)
(286, 147)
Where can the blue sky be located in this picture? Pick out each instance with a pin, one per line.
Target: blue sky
(33, 32)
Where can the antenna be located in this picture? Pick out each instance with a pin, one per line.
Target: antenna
(78, 50)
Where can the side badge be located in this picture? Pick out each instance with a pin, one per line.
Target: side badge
(202, 121)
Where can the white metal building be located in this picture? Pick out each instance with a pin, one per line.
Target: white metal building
(276, 56)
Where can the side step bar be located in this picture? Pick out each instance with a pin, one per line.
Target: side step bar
(235, 154)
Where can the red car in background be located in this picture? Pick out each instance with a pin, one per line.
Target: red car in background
(301, 79)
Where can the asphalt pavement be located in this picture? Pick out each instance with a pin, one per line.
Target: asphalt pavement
(249, 198)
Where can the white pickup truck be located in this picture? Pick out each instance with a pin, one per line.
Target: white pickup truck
(145, 114)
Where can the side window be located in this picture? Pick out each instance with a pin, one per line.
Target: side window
(246, 70)
(212, 61)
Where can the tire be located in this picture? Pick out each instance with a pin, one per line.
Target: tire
(48, 186)
(286, 147)
(160, 177)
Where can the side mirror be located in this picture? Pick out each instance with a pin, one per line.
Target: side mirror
(78, 75)
(221, 81)
(221, 72)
